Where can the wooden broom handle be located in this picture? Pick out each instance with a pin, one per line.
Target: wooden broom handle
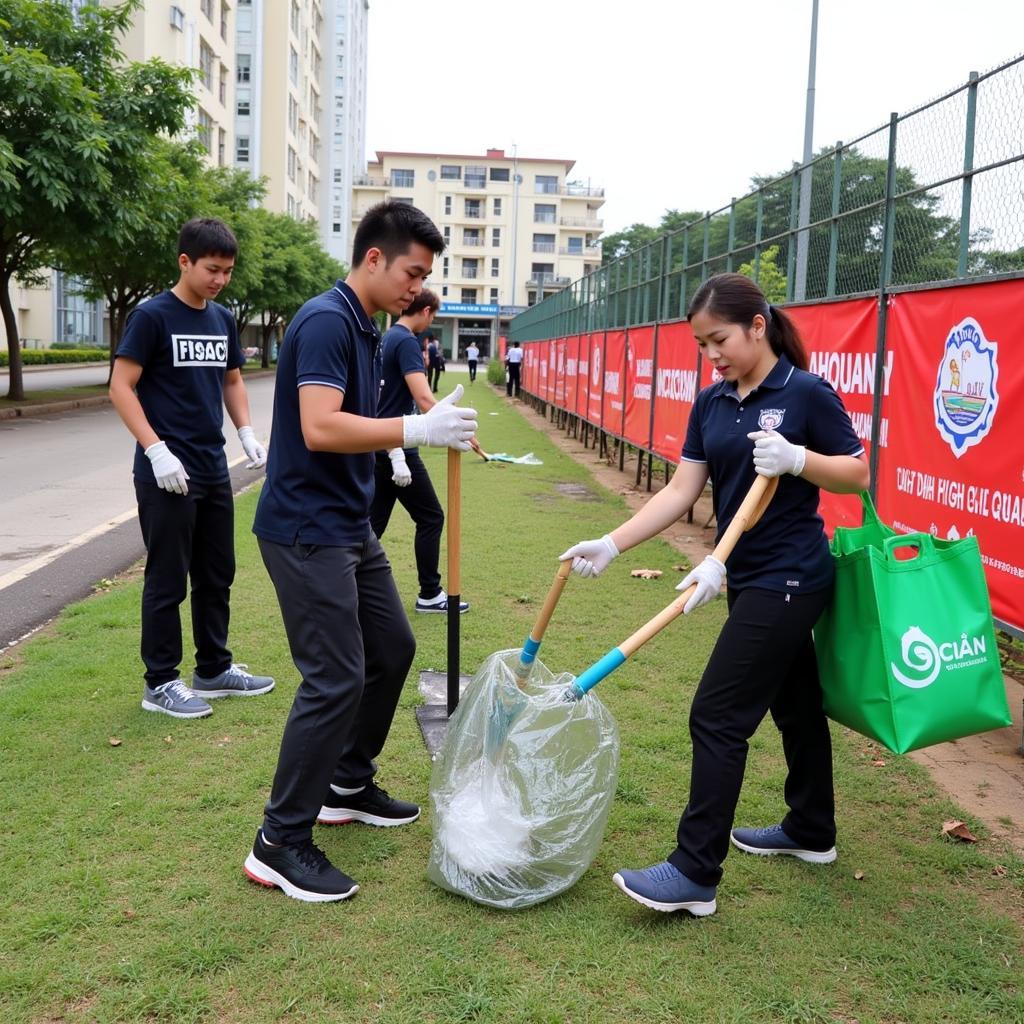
(541, 625)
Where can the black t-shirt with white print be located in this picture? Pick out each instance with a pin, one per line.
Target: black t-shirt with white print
(184, 353)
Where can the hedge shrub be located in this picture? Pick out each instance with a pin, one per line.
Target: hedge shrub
(43, 356)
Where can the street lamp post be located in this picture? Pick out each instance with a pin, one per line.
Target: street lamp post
(807, 174)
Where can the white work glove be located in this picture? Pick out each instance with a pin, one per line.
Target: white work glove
(591, 557)
(442, 426)
(774, 455)
(167, 468)
(709, 577)
(253, 449)
(401, 475)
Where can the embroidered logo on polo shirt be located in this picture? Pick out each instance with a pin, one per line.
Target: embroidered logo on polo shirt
(200, 349)
(771, 419)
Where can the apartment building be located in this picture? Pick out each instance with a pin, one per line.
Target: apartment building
(198, 34)
(516, 229)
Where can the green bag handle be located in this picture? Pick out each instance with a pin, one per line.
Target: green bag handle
(923, 541)
(870, 512)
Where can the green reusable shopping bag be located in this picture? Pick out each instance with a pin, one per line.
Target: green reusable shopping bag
(906, 649)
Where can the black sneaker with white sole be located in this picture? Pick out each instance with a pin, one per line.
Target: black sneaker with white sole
(371, 806)
(438, 605)
(301, 870)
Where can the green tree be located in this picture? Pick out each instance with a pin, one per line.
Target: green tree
(71, 113)
(769, 278)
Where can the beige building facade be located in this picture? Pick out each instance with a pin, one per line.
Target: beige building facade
(516, 229)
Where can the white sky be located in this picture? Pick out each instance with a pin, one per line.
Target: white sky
(665, 103)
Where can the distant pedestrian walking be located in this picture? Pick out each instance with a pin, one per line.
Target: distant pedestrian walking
(435, 362)
(472, 355)
(514, 365)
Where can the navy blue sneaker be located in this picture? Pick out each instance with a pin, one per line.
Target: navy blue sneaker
(772, 840)
(664, 887)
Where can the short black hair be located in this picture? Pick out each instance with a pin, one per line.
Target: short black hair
(392, 227)
(207, 236)
(425, 300)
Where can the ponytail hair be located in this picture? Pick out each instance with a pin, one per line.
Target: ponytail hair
(737, 300)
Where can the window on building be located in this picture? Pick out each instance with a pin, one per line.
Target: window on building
(224, 21)
(222, 147)
(337, 175)
(293, 65)
(292, 161)
(292, 205)
(336, 228)
(177, 18)
(206, 64)
(312, 187)
(499, 174)
(77, 320)
(545, 183)
(402, 199)
(222, 93)
(293, 115)
(206, 6)
(497, 207)
(204, 130)
(242, 149)
(447, 235)
(471, 236)
(494, 296)
(242, 107)
(447, 206)
(294, 18)
(445, 266)
(543, 243)
(444, 291)
(402, 178)
(469, 295)
(544, 272)
(495, 268)
(243, 67)
(495, 237)
(470, 267)
(544, 213)
(473, 208)
(575, 247)
(451, 172)
(476, 177)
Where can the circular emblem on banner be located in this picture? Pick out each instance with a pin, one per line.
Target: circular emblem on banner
(966, 395)
(595, 372)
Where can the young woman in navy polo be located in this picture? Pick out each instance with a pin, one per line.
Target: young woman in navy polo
(766, 415)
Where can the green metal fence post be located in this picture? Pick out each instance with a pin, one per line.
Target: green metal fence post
(965, 206)
(833, 238)
(794, 211)
(884, 275)
(732, 233)
(686, 263)
(758, 228)
(707, 243)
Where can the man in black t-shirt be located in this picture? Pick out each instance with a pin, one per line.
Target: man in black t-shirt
(177, 367)
(399, 474)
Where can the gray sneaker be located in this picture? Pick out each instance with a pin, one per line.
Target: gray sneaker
(175, 699)
(232, 682)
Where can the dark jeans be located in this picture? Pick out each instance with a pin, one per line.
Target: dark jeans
(352, 644)
(187, 537)
(433, 377)
(763, 661)
(472, 370)
(420, 501)
(512, 385)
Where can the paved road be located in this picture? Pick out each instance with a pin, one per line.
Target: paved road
(44, 378)
(68, 506)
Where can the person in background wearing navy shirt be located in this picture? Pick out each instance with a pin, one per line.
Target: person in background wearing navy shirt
(399, 474)
(177, 367)
(348, 633)
(766, 415)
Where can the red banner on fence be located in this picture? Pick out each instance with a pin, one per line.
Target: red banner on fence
(639, 360)
(583, 376)
(840, 339)
(595, 358)
(675, 388)
(613, 380)
(954, 464)
(558, 361)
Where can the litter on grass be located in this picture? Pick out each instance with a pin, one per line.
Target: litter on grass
(529, 459)
(522, 788)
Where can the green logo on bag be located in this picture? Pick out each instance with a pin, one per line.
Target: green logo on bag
(926, 659)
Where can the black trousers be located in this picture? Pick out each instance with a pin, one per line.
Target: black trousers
(187, 537)
(351, 641)
(763, 661)
(420, 501)
(512, 385)
(433, 376)
(472, 370)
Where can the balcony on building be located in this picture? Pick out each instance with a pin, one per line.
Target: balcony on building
(368, 181)
(590, 223)
(547, 280)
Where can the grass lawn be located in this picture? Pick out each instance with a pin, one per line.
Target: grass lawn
(124, 898)
(57, 395)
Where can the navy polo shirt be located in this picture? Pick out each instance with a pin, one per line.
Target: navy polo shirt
(184, 353)
(787, 550)
(400, 353)
(320, 497)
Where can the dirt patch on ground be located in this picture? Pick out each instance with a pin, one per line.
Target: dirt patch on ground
(983, 774)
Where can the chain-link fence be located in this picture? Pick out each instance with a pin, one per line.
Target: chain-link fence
(935, 195)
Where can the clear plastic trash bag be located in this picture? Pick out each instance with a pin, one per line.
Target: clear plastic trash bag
(522, 787)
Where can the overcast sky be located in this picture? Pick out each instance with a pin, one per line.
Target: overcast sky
(666, 103)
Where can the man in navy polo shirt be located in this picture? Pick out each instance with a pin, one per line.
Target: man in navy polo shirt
(349, 636)
(177, 367)
(400, 474)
